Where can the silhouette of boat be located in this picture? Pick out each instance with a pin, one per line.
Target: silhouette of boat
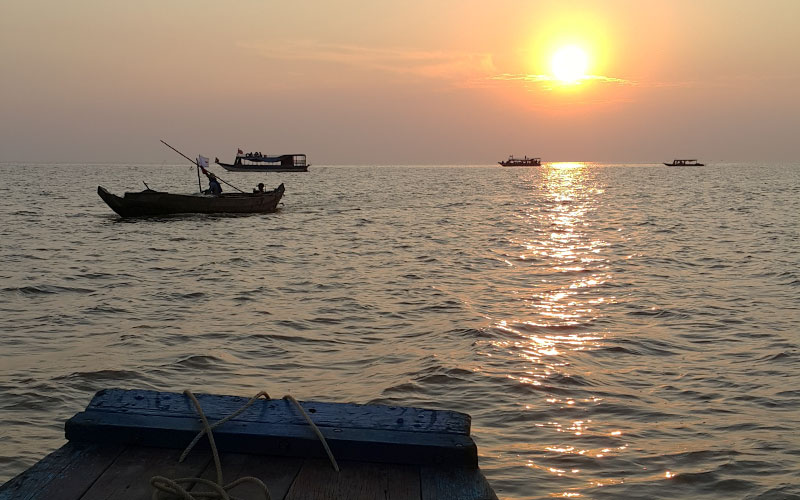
(258, 162)
(521, 162)
(150, 202)
(684, 163)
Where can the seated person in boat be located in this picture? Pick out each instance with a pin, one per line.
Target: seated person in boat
(213, 185)
(260, 188)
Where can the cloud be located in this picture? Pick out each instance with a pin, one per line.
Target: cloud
(444, 65)
(548, 82)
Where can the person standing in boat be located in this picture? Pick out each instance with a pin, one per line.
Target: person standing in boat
(260, 188)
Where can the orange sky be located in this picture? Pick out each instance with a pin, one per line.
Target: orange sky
(349, 82)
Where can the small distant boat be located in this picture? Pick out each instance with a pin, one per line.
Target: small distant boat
(521, 162)
(684, 163)
(154, 203)
(259, 162)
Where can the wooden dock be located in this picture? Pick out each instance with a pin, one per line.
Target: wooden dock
(126, 437)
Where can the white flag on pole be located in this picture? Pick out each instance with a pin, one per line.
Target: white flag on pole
(202, 161)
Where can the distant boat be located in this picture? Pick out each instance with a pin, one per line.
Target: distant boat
(258, 162)
(151, 203)
(684, 163)
(521, 162)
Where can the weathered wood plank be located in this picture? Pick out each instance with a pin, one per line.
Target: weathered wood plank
(277, 439)
(454, 483)
(356, 481)
(140, 434)
(65, 474)
(128, 477)
(284, 412)
(277, 473)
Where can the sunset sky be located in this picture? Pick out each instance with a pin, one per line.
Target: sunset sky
(411, 82)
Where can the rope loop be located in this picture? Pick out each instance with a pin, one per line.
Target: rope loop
(172, 489)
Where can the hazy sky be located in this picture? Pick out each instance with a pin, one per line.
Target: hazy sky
(398, 82)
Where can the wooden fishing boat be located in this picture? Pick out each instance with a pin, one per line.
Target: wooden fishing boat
(127, 443)
(258, 162)
(150, 202)
(521, 162)
(684, 163)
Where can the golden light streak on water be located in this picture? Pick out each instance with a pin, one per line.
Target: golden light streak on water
(567, 273)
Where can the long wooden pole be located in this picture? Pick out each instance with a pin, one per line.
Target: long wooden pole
(170, 147)
(198, 166)
(227, 183)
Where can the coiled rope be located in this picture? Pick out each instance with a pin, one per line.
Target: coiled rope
(165, 488)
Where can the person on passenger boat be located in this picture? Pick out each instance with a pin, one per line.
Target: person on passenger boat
(213, 185)
(260, 188)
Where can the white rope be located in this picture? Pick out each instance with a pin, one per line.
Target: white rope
(165, 488)
(316, 431)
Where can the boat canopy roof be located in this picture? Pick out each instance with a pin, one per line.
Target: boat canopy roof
(268, 158)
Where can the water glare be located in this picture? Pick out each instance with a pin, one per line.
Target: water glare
(615, 331)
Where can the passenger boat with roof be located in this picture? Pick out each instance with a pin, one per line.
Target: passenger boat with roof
(259, 162)
(684, 163)
(521, 162)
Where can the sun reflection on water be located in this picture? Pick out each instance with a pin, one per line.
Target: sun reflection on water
(559, 279)
(565, 259)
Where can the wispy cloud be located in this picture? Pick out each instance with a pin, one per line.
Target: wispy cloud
(549, 82)
(446, 65)
(727, 81)
(453, 68)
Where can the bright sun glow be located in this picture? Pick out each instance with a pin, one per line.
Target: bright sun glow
(570, 64)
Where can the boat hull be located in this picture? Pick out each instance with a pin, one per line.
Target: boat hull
(685, 164)
(520, 164)
(262, 168)
(153, 203)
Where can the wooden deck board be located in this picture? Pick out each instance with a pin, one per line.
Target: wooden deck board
(278, 473)
(356, 481)
(128, 477)
(65, 474)
(454, 483)
(81, 472)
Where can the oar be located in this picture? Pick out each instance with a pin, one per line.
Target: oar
(198, 166)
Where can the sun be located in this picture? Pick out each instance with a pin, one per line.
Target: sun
(569, 64)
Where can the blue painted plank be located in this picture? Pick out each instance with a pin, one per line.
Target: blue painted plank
(371, 445)
(280, 411)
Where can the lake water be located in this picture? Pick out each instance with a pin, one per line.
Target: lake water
(615, 331)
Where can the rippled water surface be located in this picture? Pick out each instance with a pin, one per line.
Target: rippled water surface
(615, 331)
